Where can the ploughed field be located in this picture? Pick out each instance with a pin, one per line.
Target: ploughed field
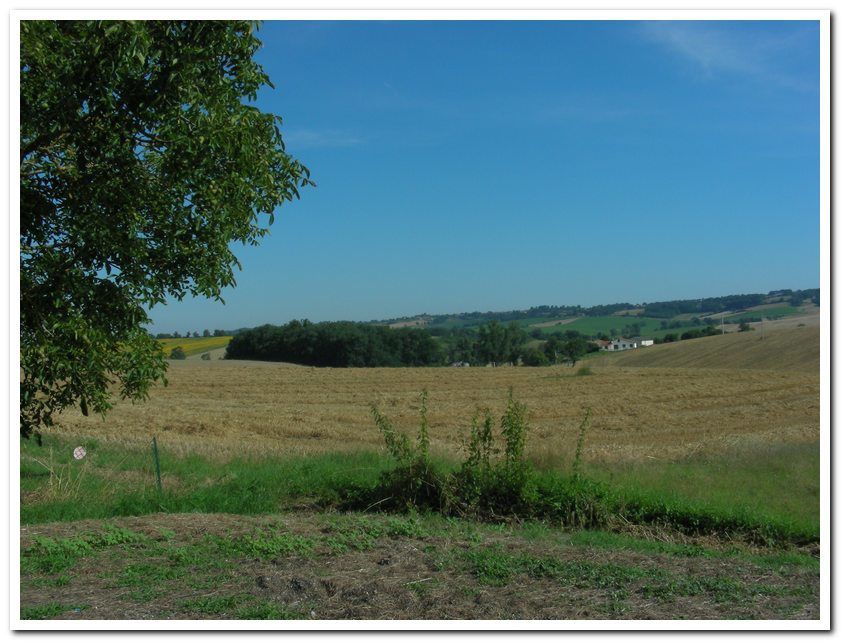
(230, 408)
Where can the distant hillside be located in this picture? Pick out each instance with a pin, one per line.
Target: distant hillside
(795, 349)
(546, 315)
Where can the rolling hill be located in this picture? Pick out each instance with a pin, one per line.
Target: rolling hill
(796, 349)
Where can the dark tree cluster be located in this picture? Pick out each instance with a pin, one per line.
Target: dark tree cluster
(709, 330)
(335, 344)
(732, 303)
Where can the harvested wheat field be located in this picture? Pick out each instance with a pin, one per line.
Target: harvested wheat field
(233, 408)
(778, 347)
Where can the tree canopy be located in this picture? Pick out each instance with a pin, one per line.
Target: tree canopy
(336, 344)
(141, 161)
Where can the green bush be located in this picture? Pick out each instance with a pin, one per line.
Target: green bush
(414, 482)
(177, 354)
(494, 481)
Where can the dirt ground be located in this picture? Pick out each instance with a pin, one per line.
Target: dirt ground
(435, 575)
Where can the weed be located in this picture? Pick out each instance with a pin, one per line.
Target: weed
(51, 556)
(414, 482)
(492, 566)
(166, 534)
(421, 586)
(348, 533)
(213, 604)
(49, 610)
(579, 446)
(264, 545)
(406, 527)
(65, 479)
(266, 611)
(493, 480)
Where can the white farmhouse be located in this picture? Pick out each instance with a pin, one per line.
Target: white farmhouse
(620, 344)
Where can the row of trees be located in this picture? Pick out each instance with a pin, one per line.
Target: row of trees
(347, 344)
(698, 332)
(205, 334)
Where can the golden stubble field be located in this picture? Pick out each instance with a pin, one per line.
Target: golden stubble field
(231, 408)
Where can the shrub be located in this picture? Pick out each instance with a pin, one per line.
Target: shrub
(414, 482)
(205, 356)
(177, 354)
(495, 481)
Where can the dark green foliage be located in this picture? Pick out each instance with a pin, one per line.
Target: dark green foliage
(497, 343)
(569, 347)
(141, 163)
(335, 344)
(177, 353)
(494, 481)
(714, 305)
(709, 330)
(744, 327)
(534, 358)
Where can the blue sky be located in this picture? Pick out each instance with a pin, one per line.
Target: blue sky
(466, 166)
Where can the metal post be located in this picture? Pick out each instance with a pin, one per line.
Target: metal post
(157, 464)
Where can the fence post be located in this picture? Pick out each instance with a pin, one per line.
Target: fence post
(157, 464)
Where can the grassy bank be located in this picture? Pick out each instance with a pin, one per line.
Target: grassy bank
(744, 496)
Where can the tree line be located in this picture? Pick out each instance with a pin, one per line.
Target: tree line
(335, 344)
(349, 344)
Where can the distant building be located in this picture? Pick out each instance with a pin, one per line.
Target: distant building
(621, 344)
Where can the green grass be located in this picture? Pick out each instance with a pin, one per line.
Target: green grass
(770, 495)
(775, 483)
(240, 486)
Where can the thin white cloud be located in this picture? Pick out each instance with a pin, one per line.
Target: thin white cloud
(320, 138)
(719, 49)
